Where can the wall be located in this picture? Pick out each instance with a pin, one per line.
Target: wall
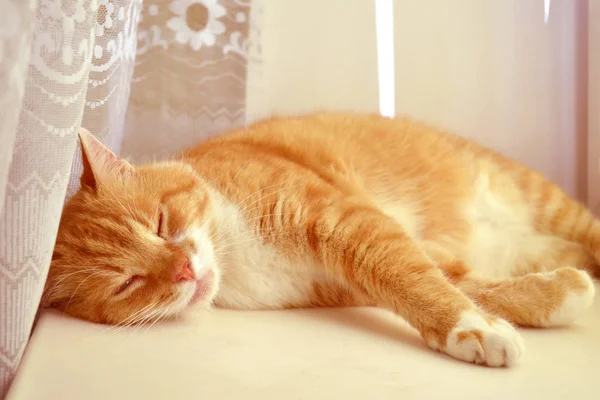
(316, 55)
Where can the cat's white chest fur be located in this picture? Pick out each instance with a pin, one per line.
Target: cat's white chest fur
(256, 275)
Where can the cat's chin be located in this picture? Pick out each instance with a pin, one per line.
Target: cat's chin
(204, 289)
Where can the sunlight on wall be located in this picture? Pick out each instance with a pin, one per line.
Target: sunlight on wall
(384, 22)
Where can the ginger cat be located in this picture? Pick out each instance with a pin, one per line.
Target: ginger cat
(330, 210)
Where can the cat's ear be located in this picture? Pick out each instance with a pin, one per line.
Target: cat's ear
(99, 163)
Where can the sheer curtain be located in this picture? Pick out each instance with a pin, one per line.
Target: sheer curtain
(167, 72)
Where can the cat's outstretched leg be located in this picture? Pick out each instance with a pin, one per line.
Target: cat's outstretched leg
(371, 253)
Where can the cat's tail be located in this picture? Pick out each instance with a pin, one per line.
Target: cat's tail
(536, 300)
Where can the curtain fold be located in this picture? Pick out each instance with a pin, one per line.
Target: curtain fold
(17, 22)
(147, 78)
(16, 29)
(55, 87)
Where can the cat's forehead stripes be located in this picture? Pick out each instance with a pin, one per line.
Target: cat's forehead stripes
(188, 187)
(113, 268)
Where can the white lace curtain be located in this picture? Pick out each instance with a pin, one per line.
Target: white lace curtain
(167, 72)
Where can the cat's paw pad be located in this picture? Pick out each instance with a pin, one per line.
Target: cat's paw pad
(481, 340)
(577, 289)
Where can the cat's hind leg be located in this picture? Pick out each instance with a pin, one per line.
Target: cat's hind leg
(551, 297)
(541, 299)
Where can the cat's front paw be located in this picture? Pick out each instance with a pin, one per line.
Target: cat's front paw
(481, 340)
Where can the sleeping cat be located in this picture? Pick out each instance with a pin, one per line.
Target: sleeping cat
(329, 210)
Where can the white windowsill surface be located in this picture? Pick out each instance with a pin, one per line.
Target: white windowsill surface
(304, 354)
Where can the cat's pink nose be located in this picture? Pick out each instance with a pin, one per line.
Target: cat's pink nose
(183, 270)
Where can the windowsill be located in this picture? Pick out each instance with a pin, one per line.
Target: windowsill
(308, 354)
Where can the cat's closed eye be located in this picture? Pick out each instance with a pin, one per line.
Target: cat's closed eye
(161, 226)
(126, 284)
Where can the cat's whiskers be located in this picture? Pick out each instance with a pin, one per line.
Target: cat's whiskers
(270, 215)
(151, 317)
(161, 316)
(63, 277)
(128, 321)
(222, 231)
(145, 319)
(81, 283)
(247, 206)
(219, 243)
(217, 237)
(136, 316)
(257, 192)
(256, 234)
(219, 247)
(261, 206)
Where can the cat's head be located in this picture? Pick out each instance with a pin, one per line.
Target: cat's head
(134, 243)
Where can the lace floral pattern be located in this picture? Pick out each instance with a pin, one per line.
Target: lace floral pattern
(197, 22)
(190, 74)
